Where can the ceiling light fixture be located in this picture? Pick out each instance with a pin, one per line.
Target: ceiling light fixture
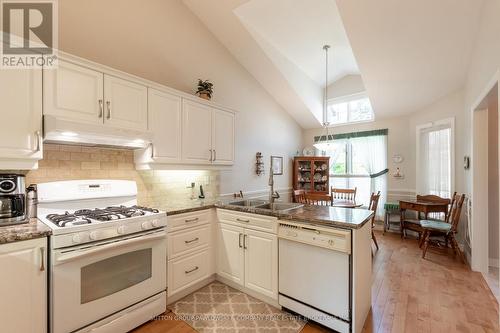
(323, 142)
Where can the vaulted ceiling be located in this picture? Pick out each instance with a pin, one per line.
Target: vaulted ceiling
(409, 53)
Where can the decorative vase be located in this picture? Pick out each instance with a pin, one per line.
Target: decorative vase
(204, 95)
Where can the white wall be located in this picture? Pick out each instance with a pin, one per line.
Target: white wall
(348, 85)
(402, 140)
(164, 42)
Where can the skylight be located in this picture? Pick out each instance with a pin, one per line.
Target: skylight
(353, 109)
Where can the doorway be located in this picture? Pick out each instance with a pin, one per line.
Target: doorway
(485, 190)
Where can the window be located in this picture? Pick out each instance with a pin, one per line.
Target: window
(435, 156)
(354, 157)
(353, 109)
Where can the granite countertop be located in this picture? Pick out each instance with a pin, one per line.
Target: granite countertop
(20, 232)
(347, 218)
(350, 218)
(187, 206)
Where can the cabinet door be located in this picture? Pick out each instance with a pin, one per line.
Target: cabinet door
(74, 92)
(223, 137)
(165, 121)
(24, 286)
(21, 101)
(230, 254)
(196, 133)
(261, 262)
(126, 104)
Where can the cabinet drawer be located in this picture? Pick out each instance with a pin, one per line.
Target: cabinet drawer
(186, 271)
(185, 241)
(181, 221)
(252, 221)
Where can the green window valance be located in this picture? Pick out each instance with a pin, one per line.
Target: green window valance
(352, 135)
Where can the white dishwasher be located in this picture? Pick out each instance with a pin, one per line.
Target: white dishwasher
(315, 274)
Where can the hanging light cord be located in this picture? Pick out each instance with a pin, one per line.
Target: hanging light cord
(325, 99)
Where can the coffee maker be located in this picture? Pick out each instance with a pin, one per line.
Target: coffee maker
(12, 199)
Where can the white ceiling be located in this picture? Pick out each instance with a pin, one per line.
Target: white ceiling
(410, 53)
(298, 29)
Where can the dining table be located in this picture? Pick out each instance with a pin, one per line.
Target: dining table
(342, 203)
(419, 206)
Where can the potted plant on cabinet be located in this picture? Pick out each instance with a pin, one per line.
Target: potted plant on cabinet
(205, 89)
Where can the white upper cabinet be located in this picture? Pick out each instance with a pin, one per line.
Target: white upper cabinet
(196, 133)
(165, 120)
(21, 104)
(126, 103)
(207, 134)
(74, 92)
(223, 137)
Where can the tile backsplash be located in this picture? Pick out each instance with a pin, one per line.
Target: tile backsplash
(156, 188)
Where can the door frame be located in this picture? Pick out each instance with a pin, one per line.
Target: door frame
(479, 231)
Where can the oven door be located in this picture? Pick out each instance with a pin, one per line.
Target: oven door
(94, 281)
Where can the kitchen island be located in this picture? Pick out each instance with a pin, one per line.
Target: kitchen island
(313, 260)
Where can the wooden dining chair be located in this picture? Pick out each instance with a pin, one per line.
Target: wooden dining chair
(444, 229)
(414, 224)
(318, 199)
(374, 199)
(299, 196)
(344, 193)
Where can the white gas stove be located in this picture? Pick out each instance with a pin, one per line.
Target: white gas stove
(108, 256)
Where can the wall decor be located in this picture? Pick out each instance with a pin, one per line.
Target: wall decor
(398, 158)
(277, 163)
(259, 164)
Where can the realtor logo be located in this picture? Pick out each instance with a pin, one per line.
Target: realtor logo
(29, 33)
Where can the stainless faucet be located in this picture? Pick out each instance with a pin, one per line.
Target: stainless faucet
(272, 193)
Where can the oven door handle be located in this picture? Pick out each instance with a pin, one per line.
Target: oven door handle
(77, 254)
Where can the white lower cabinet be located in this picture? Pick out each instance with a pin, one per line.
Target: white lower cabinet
(261, 262)
(230, 255)
(190, 257)
(246, 256)
(24, 286)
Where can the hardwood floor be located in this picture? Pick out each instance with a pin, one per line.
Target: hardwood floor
(409, 294)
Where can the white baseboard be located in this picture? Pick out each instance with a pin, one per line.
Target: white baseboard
(493, 262)
(268, 300)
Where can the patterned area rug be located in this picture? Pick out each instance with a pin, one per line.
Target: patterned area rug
(218, 308)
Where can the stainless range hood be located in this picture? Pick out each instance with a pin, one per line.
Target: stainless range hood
(58, 130)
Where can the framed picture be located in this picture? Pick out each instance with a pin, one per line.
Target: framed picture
(277, 163)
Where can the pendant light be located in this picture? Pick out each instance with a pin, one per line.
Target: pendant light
(323, 143)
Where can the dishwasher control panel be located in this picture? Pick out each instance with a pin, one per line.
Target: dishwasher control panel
(329, 238)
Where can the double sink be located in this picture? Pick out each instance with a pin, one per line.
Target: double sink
(279, 207)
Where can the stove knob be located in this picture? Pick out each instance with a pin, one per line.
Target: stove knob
(76, 238)
(155, 223)
(146, 225)
(93, 235)
(121, 229)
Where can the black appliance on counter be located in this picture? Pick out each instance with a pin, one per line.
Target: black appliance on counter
(12, 199)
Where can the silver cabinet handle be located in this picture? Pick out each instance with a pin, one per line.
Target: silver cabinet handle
(42, 259)
(101, 109)
(108, 106)
(38, 137)
(192, 220)
(192, 240)
(192, 270)
(211, 156)
(239, 240)
(242, 220)
(215, 155)
(152, 151)
(245, 242)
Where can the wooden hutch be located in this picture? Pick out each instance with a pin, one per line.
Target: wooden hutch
(311, 173)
